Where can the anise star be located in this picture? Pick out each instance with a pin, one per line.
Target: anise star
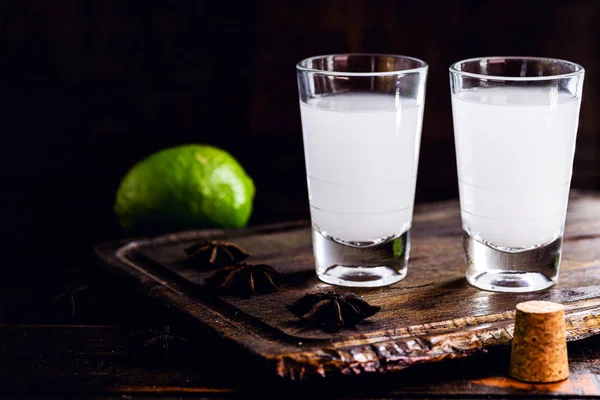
(214, 253)
(245, 279)
(331, 310)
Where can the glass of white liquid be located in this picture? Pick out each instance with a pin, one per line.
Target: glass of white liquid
(361, 123)
(515, 124)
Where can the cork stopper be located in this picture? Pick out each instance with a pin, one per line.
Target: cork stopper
(539, 346)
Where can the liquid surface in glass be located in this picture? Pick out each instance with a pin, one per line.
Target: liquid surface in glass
(514, 150)
(361, 153)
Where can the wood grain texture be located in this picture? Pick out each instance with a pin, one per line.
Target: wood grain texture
(431, 315)
(103, 361)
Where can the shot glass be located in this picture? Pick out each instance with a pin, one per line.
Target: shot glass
(515, 125)
(361, 122)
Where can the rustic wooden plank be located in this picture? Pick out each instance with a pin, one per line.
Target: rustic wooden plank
(72, 360)
(430, 316)
(101, 359)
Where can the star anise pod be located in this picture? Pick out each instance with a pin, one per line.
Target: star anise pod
(245, 279)
(215, 253)
(331, 310)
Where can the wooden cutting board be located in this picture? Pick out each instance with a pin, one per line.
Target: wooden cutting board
(431, 315)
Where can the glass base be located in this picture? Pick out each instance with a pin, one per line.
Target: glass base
(492, 269)
(364, 264)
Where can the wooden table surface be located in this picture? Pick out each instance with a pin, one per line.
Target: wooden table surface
(78, 333)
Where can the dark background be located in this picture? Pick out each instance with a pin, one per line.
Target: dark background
(88, 88)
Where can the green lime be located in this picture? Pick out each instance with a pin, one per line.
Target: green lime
(185, 187)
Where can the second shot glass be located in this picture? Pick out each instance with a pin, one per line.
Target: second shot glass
(515, 124)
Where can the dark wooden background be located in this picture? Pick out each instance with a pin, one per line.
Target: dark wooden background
(87, 88)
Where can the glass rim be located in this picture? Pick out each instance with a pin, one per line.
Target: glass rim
(578, 69)
(423, 65)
